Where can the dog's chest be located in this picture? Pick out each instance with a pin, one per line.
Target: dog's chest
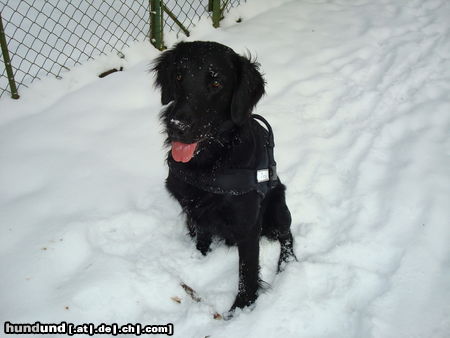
(223, 215)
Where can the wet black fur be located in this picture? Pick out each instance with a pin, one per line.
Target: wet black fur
(212, 92)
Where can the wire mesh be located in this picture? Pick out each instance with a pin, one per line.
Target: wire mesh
(229, 4)
(189, 12)
(48, 37)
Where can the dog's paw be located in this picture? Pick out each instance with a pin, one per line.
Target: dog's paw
(204, 248)
(243, 300)
(240, 305)
(285, 259)
(228, 315)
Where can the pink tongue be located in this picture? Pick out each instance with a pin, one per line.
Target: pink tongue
(182, 152)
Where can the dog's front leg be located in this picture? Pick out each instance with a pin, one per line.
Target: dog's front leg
(248, 272)
(202, 236)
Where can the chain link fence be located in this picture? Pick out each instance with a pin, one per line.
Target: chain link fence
(190, 12)
(48, 37)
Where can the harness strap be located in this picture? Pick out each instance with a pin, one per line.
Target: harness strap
(230, 181)
(273, 176)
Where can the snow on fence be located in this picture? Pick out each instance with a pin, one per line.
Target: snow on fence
(41, 38)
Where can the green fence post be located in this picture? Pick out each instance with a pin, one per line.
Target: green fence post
(216, 13)
(156, 24)
(7, 60)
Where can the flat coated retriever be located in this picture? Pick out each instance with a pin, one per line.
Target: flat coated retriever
(221, 167)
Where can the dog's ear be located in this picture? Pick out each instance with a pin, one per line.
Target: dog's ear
(250, 88)
(163, 66)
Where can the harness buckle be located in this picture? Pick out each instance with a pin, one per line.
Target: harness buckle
(262, 175)
(273, 173)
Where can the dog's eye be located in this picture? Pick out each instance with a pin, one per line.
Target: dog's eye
(179, 77)
(216, 84)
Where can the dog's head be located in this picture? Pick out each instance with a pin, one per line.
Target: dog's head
(207, 85)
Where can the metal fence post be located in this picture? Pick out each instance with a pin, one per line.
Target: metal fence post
(156, 24)
(7, 61)
(216, 13)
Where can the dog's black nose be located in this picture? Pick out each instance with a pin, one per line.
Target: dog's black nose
(177, 135)
(178, 124)
(178, 129)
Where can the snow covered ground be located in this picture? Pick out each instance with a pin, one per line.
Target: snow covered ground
(359, 98)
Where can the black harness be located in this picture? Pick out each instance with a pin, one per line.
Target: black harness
(235, 181)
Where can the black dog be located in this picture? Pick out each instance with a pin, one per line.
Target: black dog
(221, 167)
